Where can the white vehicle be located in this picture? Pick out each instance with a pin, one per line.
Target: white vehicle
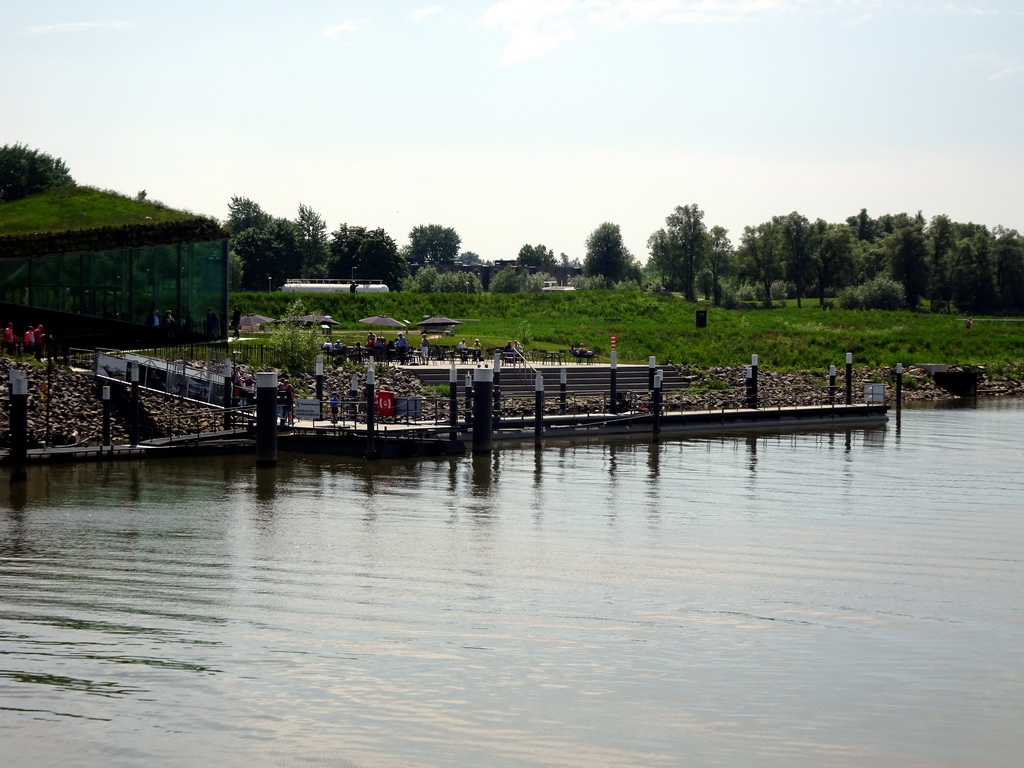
(297, 285)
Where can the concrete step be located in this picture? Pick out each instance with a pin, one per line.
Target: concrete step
(581, 379)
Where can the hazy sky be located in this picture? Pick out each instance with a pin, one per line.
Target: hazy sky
(529, 120)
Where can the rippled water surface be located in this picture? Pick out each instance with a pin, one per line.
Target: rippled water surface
(831, 598)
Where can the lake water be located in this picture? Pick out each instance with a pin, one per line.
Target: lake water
(828, 598)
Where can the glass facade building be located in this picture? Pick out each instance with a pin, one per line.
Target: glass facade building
(125, 284)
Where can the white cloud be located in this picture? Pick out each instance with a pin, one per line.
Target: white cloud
(421, 13)
(80, 26)
(344, 28)
(999, 67)
(535, 27)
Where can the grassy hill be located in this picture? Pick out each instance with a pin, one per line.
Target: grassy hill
(73, 208)
(665, 326)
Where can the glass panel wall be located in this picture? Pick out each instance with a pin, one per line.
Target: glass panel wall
(14, 280)
(126, 284)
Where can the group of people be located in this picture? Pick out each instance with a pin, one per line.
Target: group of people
(169, 323)
(32, 342)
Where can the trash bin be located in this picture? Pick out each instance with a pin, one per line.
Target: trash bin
(702, 318)
(409, 407)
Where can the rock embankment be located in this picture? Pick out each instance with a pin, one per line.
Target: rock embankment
(65, 406)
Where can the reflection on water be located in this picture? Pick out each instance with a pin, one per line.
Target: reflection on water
(842, 597)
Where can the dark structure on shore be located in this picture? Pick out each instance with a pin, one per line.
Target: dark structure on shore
(102, 287)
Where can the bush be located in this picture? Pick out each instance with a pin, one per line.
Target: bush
(506, 281)
(879, 293)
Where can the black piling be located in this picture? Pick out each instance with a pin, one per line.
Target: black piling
(319, 378)
(483, 423)
(266, 419)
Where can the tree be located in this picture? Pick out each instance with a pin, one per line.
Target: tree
(538, 256)
(941, 244)
(433, 244)
(794, 230)
(1008, 251)
(719, 261)
(831, 247)
(244, 214)
(678, 252)
(358, 253)
(761, 257)
(25, 172)
(312, 234)
(608, 256)
(270, 253)
(469, 257)
(909, 259)
(508, 280)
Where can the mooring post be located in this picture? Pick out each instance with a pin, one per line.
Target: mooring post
(19, 426)
(614, 383)
(650, 373)
(563, 386)
(483, 403)
(319, 379)
(831, 385)
(453, 402)
(133, 420)
(753, 382)
(899, 387)
(849, 378)
(496, 391)
(656, 407)
(371, 442)
(229, 401)
(106, 418)
(538, 409)
(469, 399)
(266, 419)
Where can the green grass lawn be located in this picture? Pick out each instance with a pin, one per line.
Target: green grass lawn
(665, 326)
(80, 208)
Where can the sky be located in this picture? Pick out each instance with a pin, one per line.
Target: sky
(529, 121)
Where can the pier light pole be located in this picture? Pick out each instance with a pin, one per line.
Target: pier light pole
(899, 387)
(133, 422)
(650, 373)
(319, 378)
(496, 390)
(229, 401)
(538, 409)
(831, 385)
(656, 407)
(371, 448)
(469, 399)
(106, 418)
(453, 402)
(353, 391)
(563, 385)
(753, 381)
(19, 426)
(614, 355)
(849, 378)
